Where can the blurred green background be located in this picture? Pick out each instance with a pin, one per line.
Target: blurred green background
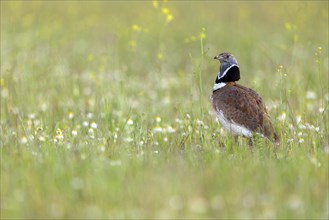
(106, 113)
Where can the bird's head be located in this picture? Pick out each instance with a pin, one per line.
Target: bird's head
(229, 70)
(226, 58)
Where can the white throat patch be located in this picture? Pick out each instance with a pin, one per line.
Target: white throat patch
(218, 86)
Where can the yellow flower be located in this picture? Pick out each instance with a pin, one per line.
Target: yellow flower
(165, 11)
(202, 35)
(155, 4)
(169, 17)
(287, 26)
(160, 57)
(136, 28)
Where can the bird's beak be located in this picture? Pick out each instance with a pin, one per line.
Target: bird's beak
(216, 57)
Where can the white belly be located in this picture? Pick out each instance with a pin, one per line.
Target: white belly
(233, 127)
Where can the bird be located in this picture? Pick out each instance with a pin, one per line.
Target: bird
(239, 109)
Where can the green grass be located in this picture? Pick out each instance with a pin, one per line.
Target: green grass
(106, 112)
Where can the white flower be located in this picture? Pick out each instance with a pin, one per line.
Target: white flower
(179, 121)
(93, 125)
(89, 115)
(157, 129)
(310, 95)
(158, 119)
(199, 122)
(128, 139)
(282, 117)
(102, 148)
(298, 119)
(71, 115)
(321, 110)
(130, 122)
(23, 140)
(169, 129)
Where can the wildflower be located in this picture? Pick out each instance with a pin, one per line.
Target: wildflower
(31, 116)
(165, 11)
(298, 119)
(136, 28)
(23, 140)
(41, 138)
(157, 119)
(165, 139)
(155, 4)
(160, 56)
(280, 69)
(179, 121)
(102, 148)
(199, 122)
(157, 129)
(74, 133)
(59, 134)
(85, 123)
(89, 115)
(36, 122)
(317, 129)
(321, 110)
(310, 95)
(169, 18)
(44, 107)
(130, 122)
(287, 26)
(282, 117)
(202, 34)
(71, 115)
(170, 129)
(128, 139)
(301, 140)
(94, 125)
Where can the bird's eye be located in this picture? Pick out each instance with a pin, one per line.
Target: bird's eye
(227, 56)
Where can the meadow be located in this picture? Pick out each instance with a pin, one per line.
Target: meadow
(106, 110)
